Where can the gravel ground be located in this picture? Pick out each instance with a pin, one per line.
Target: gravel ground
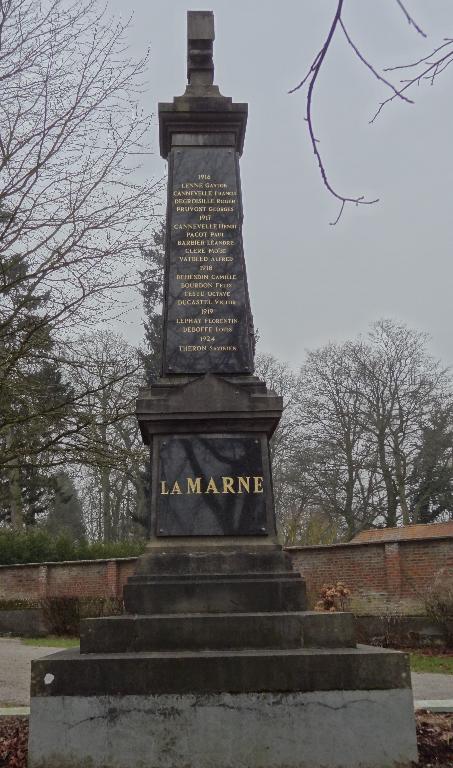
(15, 661)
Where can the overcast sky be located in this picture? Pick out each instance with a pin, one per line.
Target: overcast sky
(311, 282)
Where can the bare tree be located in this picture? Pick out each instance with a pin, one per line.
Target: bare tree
(366, 437)
(343, 463)
(284, 382)
(109, 448)
(426, 68)
(399, 385)
(73, 219)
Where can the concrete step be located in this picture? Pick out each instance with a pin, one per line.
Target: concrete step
(121, 634)
(215, 596)
(153, 577)
(365, 668)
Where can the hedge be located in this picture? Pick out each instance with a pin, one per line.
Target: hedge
(38, 546)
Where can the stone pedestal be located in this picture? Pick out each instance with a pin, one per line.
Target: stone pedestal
(211, 477)
(217, 664)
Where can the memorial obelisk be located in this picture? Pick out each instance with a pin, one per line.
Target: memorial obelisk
(208, 420)
(216, 662)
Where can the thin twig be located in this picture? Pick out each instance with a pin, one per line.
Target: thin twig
(311, 77)
(429, 73)
(410, 20)
(371, 68)
(447, 42)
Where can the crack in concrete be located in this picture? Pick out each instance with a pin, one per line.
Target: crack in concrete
(172, 712)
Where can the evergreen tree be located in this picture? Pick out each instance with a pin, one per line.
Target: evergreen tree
(65, 514)
(432, 474)
(34, 400)
(152, 292)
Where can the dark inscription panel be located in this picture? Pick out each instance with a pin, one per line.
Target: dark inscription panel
(207, 325)
(211, 486)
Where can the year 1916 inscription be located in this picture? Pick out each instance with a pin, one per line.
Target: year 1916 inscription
(207, 317)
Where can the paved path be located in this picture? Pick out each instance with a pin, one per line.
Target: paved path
(432, 686)
(15, 661)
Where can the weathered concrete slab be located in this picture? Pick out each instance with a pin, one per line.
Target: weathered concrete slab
(334, 729)
(24, 622)
(308, 669)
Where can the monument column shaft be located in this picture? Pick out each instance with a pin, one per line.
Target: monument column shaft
(207, 319)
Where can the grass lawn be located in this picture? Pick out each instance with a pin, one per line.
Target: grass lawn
(53, 641)
(421, 662)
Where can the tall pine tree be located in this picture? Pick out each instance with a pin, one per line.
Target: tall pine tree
(34, 400)
(65, 514)
(152, 279)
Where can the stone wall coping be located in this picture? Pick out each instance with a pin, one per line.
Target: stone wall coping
(336, 545)
(73, 562)
(354, 544)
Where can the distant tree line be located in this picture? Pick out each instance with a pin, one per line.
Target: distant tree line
(366, 438)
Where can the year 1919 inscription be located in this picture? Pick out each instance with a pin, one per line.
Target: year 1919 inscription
(207, 318)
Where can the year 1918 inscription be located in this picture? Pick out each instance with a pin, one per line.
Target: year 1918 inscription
(207, 318)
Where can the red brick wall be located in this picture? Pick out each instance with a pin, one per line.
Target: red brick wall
(383, 577)
(85, 578)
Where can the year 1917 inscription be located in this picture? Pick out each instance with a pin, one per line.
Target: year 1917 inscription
(207, 319)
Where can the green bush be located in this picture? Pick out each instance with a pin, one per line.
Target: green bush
(38, 546)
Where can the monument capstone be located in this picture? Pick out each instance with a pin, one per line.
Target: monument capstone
(216, 662)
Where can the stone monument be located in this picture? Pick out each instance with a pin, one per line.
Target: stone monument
(216, 662)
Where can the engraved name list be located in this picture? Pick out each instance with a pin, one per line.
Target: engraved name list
(207, 313)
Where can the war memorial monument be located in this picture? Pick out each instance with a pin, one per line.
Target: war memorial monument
(216, 662)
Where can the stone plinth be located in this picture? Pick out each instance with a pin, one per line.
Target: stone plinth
(221, 666)
(334, 729)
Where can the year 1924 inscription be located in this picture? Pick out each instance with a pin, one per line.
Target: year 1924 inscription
(207, 318)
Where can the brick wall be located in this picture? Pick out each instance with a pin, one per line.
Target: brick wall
(83, 578)
(384, 577)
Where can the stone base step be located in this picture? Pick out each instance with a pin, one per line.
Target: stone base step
(154, 577)
(215, 595)
(121, 634)
(264, 559)
(69, 673)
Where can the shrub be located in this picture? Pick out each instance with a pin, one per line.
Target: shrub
(439, 601)
(63, 614)
(38, 546)
(334, 597)
(18, 605)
